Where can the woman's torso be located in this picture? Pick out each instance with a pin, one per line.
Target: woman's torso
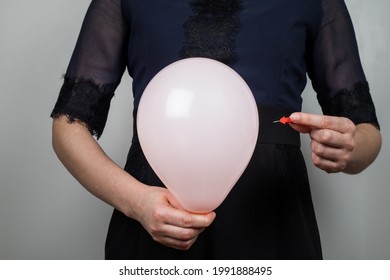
(264, 41)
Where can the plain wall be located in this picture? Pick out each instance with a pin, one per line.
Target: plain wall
(46, 214)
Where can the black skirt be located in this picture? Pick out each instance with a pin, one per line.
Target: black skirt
(268, 214)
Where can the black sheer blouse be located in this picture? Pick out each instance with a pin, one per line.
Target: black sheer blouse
(272, 44)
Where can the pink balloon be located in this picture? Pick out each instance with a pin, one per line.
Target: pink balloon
(198, 125)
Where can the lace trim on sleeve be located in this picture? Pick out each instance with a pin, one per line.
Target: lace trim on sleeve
(83, 100)
(354, 103)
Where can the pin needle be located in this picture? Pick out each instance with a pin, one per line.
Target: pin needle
(283, 120)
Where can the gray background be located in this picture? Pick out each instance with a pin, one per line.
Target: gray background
(46, 214)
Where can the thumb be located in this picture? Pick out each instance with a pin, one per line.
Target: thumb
(173, 201)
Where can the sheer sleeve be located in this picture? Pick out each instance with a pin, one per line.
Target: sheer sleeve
(335, 68)
(96, 67)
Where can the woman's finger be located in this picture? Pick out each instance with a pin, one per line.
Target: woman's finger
(338, 124)
(329, 153)
(333, 138)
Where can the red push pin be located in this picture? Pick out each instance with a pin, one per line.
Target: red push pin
(283, 120)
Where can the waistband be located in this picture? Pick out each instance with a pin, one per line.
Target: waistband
(276, 133)
(269, 132)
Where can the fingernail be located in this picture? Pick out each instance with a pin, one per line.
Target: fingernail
(294, 117)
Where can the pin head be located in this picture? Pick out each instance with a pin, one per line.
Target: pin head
(283, 120)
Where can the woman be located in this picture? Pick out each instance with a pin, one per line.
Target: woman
(272, 45)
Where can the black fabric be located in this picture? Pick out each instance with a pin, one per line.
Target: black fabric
(273, 45)
(116, 34)
(96, 67)
(211, 31)
(354, 103)
(86, 102)
(269, 132)
(335, 68)
(276, 133)
(258, 220)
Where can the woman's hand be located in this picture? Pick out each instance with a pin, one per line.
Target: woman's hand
(154, 207)
(166, 222)
(337, 144)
